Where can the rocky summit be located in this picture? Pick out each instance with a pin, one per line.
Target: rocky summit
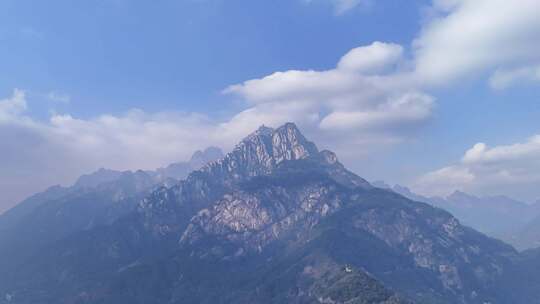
(273, 221)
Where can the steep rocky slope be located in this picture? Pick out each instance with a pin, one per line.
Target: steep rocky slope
(94, 200)
(498, 216)
(274, 221)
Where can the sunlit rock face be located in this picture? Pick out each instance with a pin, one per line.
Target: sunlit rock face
(275, 188)
(259, 154)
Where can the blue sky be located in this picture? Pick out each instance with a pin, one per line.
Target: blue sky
(115, 55)
(138, 84)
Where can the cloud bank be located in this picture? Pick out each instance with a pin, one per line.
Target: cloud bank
(512, 169)
(492, 39)
(37, 154)
(358, 103)
(364, 98)
(465, 38)
(376, 95)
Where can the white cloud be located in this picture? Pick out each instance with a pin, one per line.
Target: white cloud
(133, 140)
(374, 58)
(467, 38)
(504, 78)
(481, 154)
(409, 108)
(373, 97)
(59, 97)
(343, 6)
(356, 103)
(444, 180)
(11, 107)
(36, 154)
(63, 147)
(511, 169)
(364, 96)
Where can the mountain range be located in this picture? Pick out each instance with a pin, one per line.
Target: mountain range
(94, 200)
(515, 222)
(276, 220)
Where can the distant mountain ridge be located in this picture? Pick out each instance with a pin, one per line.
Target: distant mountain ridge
(528, 236)
(497, 216)
(273, 221)
(102, 176)
(94, 200)
(174, 171)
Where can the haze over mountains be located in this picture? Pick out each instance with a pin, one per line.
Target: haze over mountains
(94, 200)
(515, 222)
(106, 200)
(274, 221)
(497, 216)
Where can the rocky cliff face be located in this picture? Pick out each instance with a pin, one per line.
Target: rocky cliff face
(274, 221)
(253, 220)
(275, 186)
(460, 262)
(260, 154)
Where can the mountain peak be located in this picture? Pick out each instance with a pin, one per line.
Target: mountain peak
(276, 145)
(289, 143)
(289, 129)
(200, 158)
(289, 126)
(264, 130)
(95, 178)
(461, 196)
(264, 150)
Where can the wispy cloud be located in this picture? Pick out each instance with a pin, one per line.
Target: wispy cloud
(364, 98)
(375, 96)
(342, 6)
(58, 97)
(512, 169)
(507, 77)
(12, 106)
(472, 38)
(36, 154)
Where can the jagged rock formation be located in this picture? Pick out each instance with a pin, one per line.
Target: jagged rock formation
(274, 221)
(259, 154)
